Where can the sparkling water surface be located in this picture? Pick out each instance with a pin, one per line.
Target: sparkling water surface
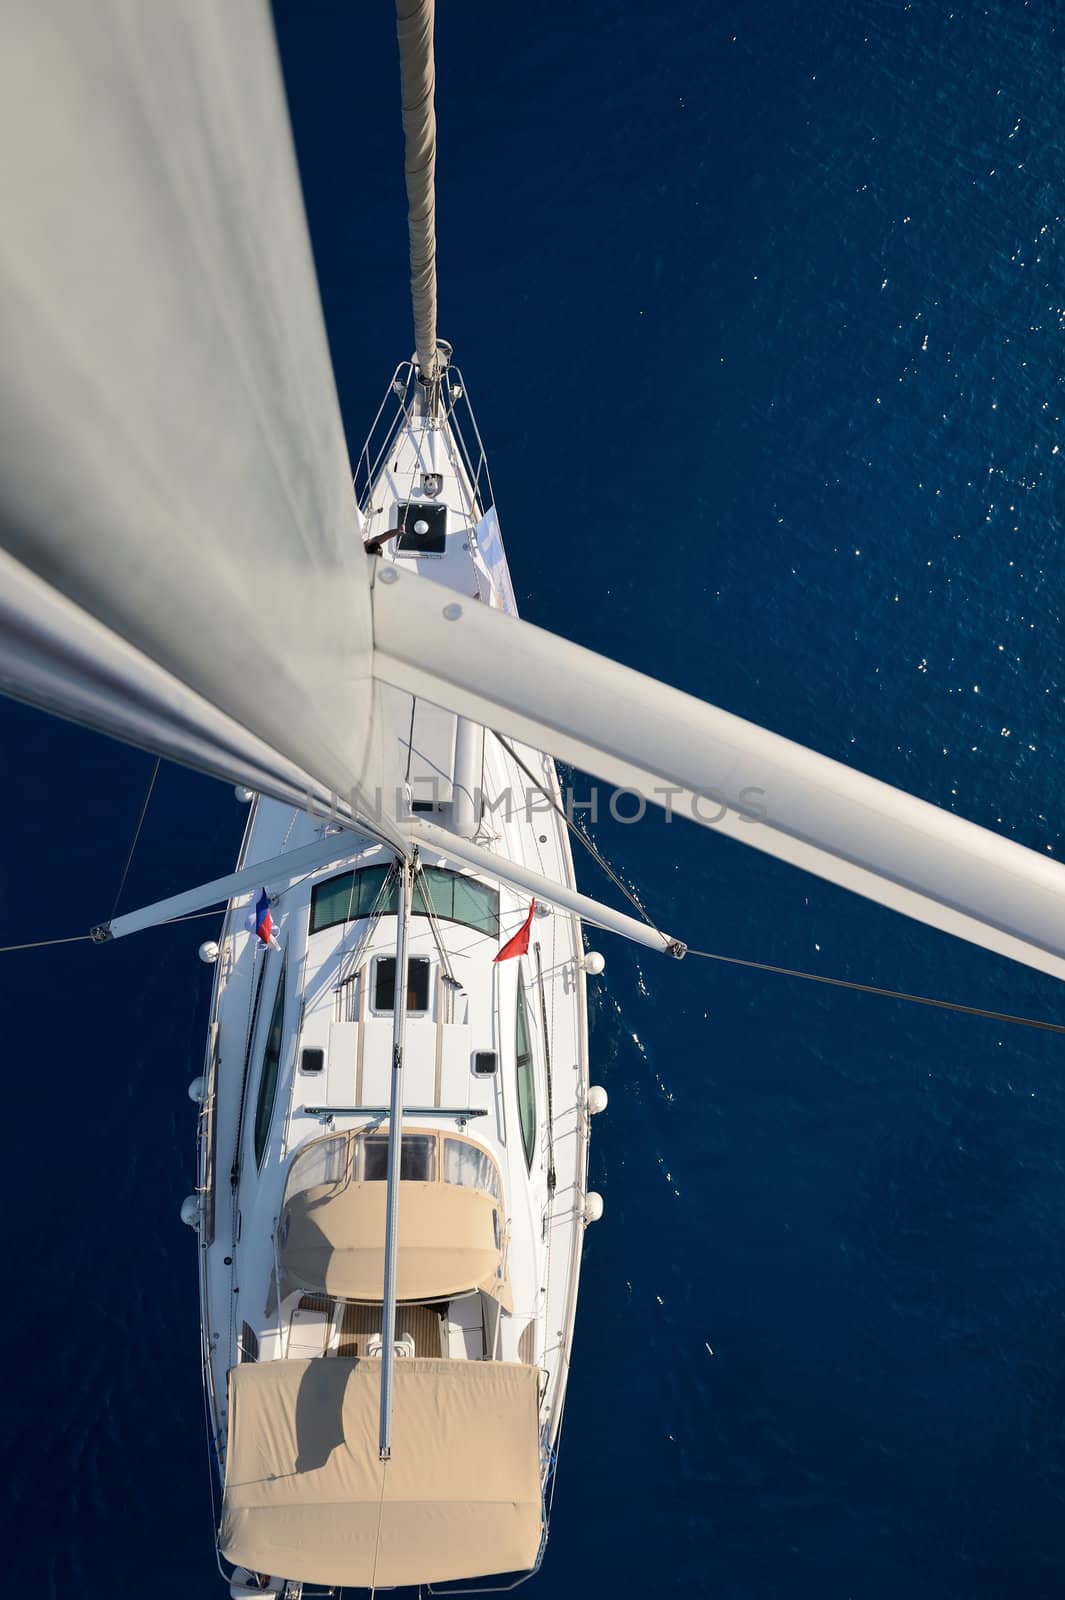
(761, 307)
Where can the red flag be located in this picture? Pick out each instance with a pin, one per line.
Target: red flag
(519, 945)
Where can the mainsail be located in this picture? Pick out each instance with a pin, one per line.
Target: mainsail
(183, 561)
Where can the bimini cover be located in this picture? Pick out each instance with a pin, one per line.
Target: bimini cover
(307, 1496)
(332, 1238)
(331, 1234)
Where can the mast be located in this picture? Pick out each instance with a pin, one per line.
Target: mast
(395, 1147)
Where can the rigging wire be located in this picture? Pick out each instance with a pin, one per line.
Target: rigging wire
(136, 836)
(83, 938)
(578, 834)
(1039, 1023)
(887, 994)
(43, 944)
(377, 1537)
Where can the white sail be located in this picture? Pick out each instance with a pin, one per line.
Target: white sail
(745, 782)
(172, 467)
(184, 567)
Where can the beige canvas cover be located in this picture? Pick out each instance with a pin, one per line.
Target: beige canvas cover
(305, 1489)
(332, 1238)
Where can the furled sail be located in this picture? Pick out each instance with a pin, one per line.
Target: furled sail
(417, 70)
(747, 783)
(183, 566)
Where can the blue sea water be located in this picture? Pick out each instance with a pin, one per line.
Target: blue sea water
(762, 309)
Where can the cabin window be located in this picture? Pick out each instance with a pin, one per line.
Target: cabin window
(449, 895)
(473, 1168)
(264, 1108)
(417, 1161)
(526, 1082)
(249, 1343)
(349, 896)
(384, 994)
(430, 540)
(473, 903)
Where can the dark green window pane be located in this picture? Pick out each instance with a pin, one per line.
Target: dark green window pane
(368, 887)
(330, 901)
(476, 905)
(526, 1082)
(351, 896)
(438, 885)
(264, 1108)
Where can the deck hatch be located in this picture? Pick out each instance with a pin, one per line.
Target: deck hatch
(430, 542)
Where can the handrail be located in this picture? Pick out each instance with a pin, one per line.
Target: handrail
(205, 1175)
(464, 1112)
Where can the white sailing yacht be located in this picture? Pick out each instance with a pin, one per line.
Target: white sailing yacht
(393, 1122)
(300, 1095)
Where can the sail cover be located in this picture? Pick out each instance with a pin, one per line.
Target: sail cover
(307, 1497)
(182, 563)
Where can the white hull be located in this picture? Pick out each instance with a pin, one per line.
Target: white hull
(328, 1005)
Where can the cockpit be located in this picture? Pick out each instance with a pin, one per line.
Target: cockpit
(452, 1281)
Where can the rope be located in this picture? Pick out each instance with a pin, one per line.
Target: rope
(377, 1537)
(438, 937)
(578, 834)
(887, 994)
(1039, 1023)
(762, 966)
(136, 836)
(417, 69)
(42, 944)
(82, 938)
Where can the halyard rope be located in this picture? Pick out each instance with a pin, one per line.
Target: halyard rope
(763, 966)
(578, 833)
(136, 836)
(887, 994)
(1041, 1024)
